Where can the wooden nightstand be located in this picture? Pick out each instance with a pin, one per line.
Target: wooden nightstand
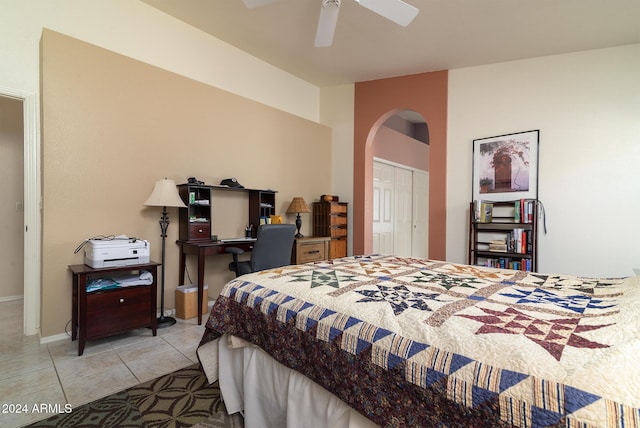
(310, 249)
(102, 313)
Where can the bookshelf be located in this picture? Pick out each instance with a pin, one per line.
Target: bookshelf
(504, 234)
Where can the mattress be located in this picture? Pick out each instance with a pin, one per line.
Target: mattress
(416, 342)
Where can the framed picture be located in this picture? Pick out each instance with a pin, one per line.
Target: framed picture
(505, 167)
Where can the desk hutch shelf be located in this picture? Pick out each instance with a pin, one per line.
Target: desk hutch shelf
(195, 220)
(196, 225)
(262, 203)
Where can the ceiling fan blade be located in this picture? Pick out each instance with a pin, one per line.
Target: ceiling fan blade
(327, 23)
(257, 3)
(395, 10)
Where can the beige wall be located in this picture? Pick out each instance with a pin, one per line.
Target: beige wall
(112, 126)
(12, 178)
(137, 30)
(337, 110)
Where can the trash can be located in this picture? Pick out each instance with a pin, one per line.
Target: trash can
(187, 301)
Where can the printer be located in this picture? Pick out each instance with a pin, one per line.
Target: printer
(104, 253)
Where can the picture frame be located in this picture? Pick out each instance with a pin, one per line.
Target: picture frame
(505, 167)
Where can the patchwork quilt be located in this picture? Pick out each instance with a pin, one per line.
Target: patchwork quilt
(416, 342)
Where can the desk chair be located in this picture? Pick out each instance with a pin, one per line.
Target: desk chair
(272, 249)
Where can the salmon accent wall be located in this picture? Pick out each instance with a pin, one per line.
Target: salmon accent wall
(376, 101)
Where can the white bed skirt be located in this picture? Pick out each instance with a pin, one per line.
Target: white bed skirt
(269, 394)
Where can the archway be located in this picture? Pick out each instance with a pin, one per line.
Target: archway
(400, 217)
(374, 100)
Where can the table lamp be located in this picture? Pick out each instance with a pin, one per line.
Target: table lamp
(298, 205)
(165, 194)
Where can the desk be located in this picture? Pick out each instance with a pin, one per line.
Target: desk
(203, 249)
(102, 313)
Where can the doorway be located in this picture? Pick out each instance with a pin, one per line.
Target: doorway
(400, 186)
(11, 198)
(30, 204)
(400, 210)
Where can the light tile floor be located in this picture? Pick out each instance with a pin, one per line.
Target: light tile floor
(36, 376)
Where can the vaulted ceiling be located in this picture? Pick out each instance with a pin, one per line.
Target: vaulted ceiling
(446, 34)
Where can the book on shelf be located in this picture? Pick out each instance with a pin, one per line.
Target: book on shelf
(523, 211)
(498, 246)
(520, 241)
(523, 264)
(483, 211)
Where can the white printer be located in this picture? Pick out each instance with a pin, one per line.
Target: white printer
(120, 251)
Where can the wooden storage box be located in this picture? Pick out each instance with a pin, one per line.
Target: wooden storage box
(187, 301)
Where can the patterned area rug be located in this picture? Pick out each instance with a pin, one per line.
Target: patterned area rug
(179, 399)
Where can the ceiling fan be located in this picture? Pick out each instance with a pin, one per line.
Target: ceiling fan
(394, 10)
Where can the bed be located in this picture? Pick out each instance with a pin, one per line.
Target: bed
(380, 340)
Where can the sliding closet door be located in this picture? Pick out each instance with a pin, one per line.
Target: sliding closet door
(400, 210)
(403, 212)
(382, 208)
(420, 236)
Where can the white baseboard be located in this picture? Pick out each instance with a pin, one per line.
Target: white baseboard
(54, 338)
(10, 298)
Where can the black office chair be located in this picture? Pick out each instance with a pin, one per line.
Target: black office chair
(272, 249)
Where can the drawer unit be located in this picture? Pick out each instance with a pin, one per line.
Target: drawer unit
(310, 249)
(331, 219)
(338, 232)
(118, 310)
(199, 232)
(337, 248)
(102, 313)
(338, 207)
(338, 220)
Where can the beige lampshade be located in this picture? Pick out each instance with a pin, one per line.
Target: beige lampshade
(298, 205)
(165, 194)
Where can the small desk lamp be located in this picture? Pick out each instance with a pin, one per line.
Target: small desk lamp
(165, 194)
(298, 205)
